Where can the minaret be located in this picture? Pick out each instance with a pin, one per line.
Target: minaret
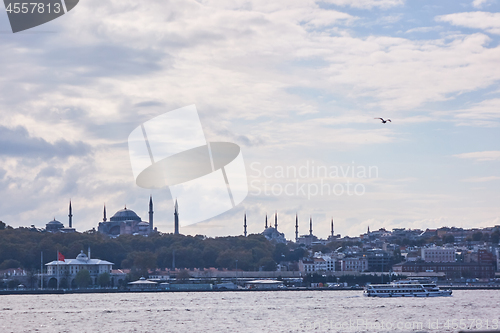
(266, 221)
(104, 218)
(70, 215)
(245, 225)
(332, 227)
(276, 220)
(296, 228)
(151, 229)
(89, 253)
(310, 226)
(176, 218)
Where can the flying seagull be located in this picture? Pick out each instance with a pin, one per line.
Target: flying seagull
(384, 121)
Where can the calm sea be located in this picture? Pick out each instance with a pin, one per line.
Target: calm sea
(281, 311)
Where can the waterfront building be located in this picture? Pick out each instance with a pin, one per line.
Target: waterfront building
(438, 254)
(264, 284)
(126, 222)
(142, 284)
(378, 260)
(318, 264)
(355, 264)
(63, 272)
(452, 270)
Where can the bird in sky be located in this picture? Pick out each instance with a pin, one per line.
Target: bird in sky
(384, 121)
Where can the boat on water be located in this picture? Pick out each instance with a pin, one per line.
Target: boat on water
(405, 289)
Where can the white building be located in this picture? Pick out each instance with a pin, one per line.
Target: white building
(65, 271)
(323, 264)
(438, 254)
(355, 264)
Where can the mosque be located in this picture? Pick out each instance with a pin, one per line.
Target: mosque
(127, 222)
(56, 226)
(272, 234)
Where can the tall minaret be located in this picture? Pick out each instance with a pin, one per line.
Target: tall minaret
(266, 221)
(104, 217)
(332, 227)
(176, 218)
(310, 226)
(296, 228)
(70, 215)
(151, 229)
(276, 220)
(245, 225)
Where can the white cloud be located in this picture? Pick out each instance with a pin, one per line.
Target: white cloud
(489, 22)
(480, 3)
(424, 29)
(481, 179)
(481, 156)
(485, 113)
(367, 4)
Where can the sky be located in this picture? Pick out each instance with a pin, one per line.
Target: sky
(296, 84)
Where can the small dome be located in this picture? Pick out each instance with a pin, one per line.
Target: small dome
(269, 231)
(125, 215)
(55, 222)
(82, 257)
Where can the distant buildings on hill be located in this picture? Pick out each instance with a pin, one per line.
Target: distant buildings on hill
(123, 222)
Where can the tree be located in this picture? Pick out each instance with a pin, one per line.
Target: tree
(104, 279)
(183, 275)
(449, 239)
(477, 236)
(82, 279)
(2, 225)
(10, 263)
(267, 264)
(12, 284)
(495, 237)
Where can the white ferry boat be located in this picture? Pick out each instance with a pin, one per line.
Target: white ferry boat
(405, 289)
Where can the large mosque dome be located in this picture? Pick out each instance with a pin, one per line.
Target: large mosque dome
(125, 215)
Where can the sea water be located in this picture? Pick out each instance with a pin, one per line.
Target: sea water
(265, 311)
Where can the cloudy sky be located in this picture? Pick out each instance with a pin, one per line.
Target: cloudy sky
(295, 83)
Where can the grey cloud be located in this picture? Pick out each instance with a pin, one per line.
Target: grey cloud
(146, 104)
(18, 142)
(49, 171)
(106, 60)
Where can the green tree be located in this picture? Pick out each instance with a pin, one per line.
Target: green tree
(449, 239)
(495, 237)
(267, 264)
(12, 284)
(477, 236)
(10, 263)
(104, 279)
(82, 279)
(183, 275)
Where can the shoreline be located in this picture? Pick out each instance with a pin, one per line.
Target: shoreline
(115, 291)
